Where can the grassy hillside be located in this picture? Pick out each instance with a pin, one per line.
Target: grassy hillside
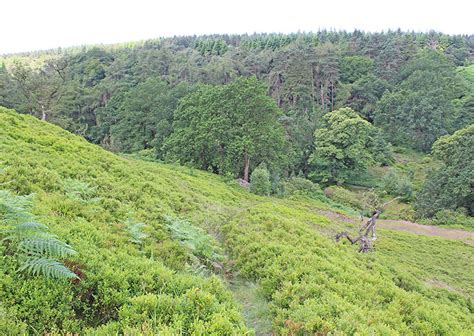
(175, 279)
(146, 288)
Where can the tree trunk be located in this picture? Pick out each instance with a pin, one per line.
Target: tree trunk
(323, 103)
(43, 113)
(246, 167)
(332, 96)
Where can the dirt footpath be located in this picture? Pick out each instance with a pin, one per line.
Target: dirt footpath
(427, 230)
(402, 225)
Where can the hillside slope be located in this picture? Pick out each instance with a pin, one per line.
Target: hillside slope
(146, 288)
(88, 197)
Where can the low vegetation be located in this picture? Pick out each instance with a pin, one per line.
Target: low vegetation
(132, 275)
(142, 230)
(317, 286)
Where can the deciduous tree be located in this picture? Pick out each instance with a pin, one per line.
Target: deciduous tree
(341, 146)
(228, 129)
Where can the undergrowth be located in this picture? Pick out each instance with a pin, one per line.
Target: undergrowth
(132, 277)
(138, 226)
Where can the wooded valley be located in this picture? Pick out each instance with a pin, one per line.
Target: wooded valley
(195, 185)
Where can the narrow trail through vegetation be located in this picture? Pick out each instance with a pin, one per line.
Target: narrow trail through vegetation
(403, 225)
(256, 309)
(427, 230)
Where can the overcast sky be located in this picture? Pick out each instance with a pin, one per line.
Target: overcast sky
(42, 24)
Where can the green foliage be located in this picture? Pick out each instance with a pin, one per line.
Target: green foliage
(410, 285)
(301, 186)
(47, 267)
(80, 191)
(355, 67)
(316, 286)
(380, 149)
(35, 248)
(450, 186)
(421, 108)
(344, 196)
(341, 147)
(260, 181)
(458, 218)
(397, 186)
(365, 94)
(142, 117)
(66, 173)
(208, 46)
(135, 229)
(200, 244)
(468, 73)
(227, 129)
(9, 325)
(124, 96)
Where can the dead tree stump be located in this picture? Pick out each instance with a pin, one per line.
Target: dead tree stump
(365, 243)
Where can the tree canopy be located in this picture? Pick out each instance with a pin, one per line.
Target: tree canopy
(421, 108)
(228, 129)
(415, 87)
(341, 146)
(450, 186)
(142, 117)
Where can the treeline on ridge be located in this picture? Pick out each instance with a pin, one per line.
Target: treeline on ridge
(321, 105)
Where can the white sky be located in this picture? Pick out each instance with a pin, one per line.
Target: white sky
(42, 24)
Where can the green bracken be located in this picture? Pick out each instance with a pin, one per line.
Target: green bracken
(410, 285)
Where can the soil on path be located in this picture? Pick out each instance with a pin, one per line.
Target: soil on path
(403, 225)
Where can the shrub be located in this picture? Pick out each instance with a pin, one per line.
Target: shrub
(317, 287)
(451, 217)
(278, 187)
(314, 285)
(112, 270)
(80, 191)
(135, 229)
(344, 196)
(9, 325)
(200, 245)
(260, 181)
(301, 186)
(381, 150)
(450, 185)
(397, 186)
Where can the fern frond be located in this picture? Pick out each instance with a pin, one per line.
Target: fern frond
(135, 230)
(51, 247)
(32, 226)
(29, 228)
(14, 209)
(195, 239)
(80, 191)
(47, 267)
(31, 240)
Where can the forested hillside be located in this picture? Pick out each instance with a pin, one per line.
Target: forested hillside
(98, 244)
(204, 101)
(200, 185)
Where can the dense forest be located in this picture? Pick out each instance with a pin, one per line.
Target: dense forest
(195, 185)
(203, 101)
